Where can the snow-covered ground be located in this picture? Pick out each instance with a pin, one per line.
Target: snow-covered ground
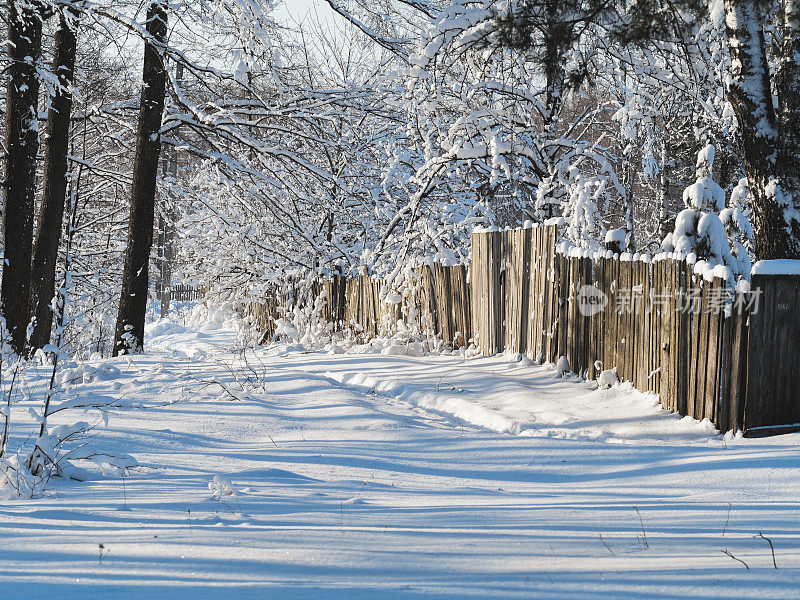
(289, 474)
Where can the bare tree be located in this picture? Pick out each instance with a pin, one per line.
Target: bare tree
(129, 333)
(22, 145)
(51, 213)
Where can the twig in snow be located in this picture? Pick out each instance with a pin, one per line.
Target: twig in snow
(641, 522)
(103, 550)
(228, 506)
(728, 553)
(7, 412)
(271, 440)
(771, 547)
(605, 544)
(224, 389)
(727, 519)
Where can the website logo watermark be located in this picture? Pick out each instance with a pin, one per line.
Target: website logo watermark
(592, 301)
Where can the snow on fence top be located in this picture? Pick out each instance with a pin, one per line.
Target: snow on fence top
(776, 267)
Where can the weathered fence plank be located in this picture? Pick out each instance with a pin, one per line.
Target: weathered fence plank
(772, 398)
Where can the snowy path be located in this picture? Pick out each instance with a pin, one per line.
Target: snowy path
(370, 476)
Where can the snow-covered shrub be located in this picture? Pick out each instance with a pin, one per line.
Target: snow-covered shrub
(705, 194)
(581, 211)
(615, 240)
(738, 227)
(221, 487)
(703, 235)
(700, 229)
(39, 443)
(607, 378)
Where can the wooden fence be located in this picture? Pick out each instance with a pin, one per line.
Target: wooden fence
(661, 327)
(707, 351)
(437, 303)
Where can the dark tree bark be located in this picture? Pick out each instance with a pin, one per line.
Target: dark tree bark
(22, 144)
(788, 87)
(51, 212)
(770, 141)
(129, 334)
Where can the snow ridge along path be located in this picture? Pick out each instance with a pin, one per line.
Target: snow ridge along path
(281, 474)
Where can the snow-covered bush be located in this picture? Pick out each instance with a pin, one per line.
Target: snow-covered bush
(615, 240)
(700, 229)
(44, 434)
(589, 196)
(738, 227)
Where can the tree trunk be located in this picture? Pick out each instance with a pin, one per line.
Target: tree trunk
(166, 235)
(166, 222)
(751, 98)
(628, 182)
(557, 37)
(788, 88)
(22, 145)
(51, 213)
(663, 195)
(129, 334)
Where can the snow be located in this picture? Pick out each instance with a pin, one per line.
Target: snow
(617, 236)
(562, 366)
(705, 158)
(777, 267)
(288, 473)
(704, 194)
(607, 378)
